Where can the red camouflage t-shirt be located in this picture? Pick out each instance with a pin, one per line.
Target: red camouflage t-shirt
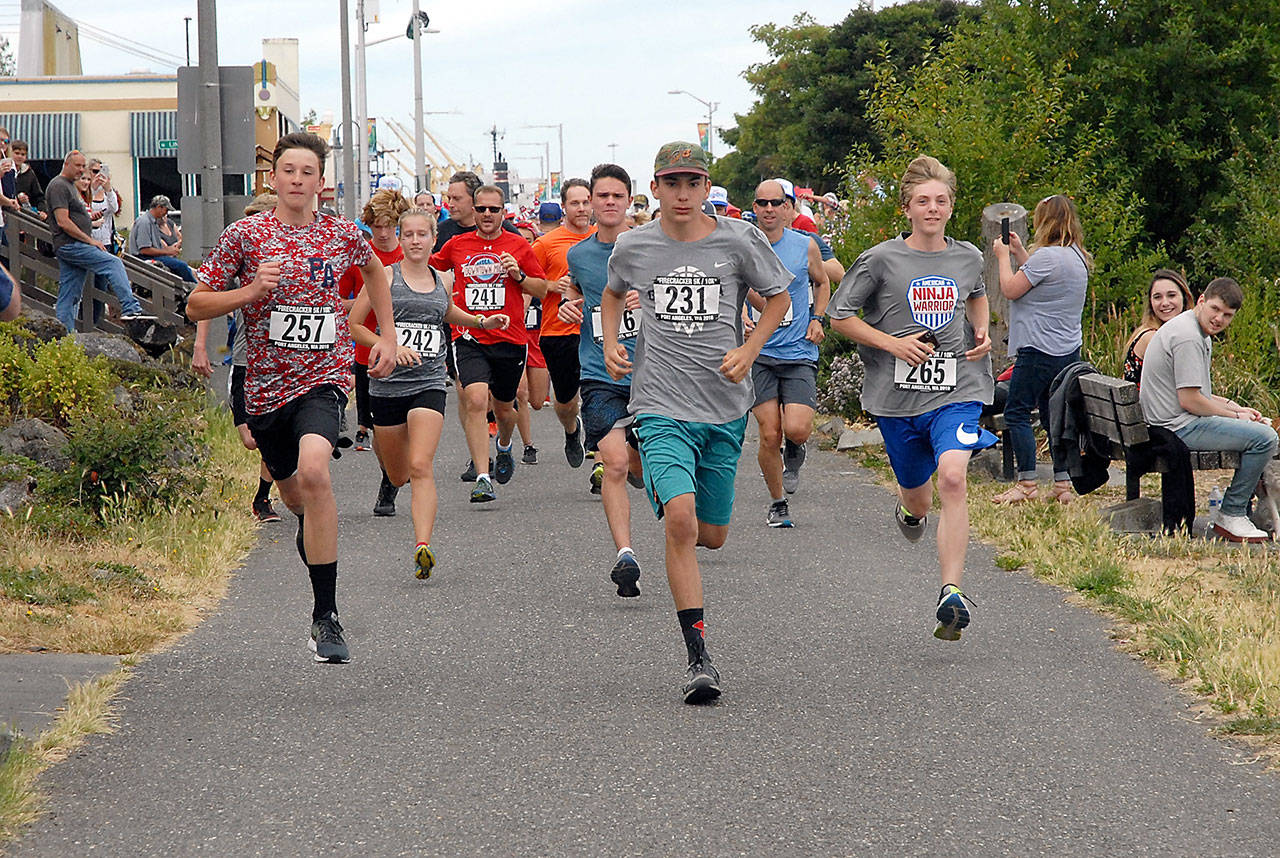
(298, 337)
(481, 284)
(350, 284)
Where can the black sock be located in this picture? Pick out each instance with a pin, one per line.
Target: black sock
(302, 550)
(324, 586)
(387, 485)
(694, 631)
(264, 490)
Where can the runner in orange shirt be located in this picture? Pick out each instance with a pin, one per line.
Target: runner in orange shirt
(559, 339)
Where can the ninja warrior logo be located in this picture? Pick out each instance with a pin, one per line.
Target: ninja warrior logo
(933, 301)
(483, 268)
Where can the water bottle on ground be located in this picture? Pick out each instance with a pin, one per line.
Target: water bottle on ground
(1215, 503)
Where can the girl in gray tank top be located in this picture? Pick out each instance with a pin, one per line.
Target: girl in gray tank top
(408, 405)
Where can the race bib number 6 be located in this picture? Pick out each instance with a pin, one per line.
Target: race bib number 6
(305, 328)
(628, 327)
(426, 340)
(485, 296)
(936, 374)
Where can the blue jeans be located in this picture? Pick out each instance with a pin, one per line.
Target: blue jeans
(1256, 443)
(77, 259)
(176, 265)
(1033, 374)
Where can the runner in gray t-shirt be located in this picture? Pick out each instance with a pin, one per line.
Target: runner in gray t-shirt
(923, 339)
(408, 405)
(690, 391)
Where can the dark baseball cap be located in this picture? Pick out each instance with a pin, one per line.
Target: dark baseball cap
(550, 212)
(682, 157)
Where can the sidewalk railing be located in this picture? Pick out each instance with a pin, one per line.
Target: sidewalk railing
(160, 291)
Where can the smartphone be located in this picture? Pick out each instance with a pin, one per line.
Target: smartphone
(1004, 230)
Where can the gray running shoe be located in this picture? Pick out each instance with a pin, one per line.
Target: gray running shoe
(626, 574)
(912, 528)
(780, 514)
(702, 681)
(326, 641)
(483, 491)
(793, 456)
(574, 452)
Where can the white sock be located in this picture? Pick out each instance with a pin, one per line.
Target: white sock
(776, 500)
(625, 550)
(502, 449)
(483, 476)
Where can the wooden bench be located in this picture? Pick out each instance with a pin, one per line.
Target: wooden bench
(1113, 411)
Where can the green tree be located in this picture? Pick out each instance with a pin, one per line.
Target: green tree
(812, 92)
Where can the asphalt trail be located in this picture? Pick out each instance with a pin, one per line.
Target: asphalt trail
(513, 705)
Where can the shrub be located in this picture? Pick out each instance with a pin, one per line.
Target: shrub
(14, 364)
(62, 383)
(841, 392)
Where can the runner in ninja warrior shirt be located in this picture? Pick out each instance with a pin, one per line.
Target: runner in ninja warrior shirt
(923, 339)
(299, 350)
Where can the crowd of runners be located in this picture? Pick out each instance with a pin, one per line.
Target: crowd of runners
(652, 340)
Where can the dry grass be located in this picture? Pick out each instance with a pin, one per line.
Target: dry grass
(1200, 610)
(142, 581)
(86, 712)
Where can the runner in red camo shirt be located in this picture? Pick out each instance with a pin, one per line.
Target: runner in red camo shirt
(299, 350)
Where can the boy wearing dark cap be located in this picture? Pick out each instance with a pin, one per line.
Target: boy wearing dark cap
(689, 390)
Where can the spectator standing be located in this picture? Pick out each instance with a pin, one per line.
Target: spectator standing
(104, 205)
(147, 241)
(1046, 298)
(1178, 395)
(1167, 296)
(30, 193)
(78, 252)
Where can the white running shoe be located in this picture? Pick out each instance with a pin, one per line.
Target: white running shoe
(1238, 528)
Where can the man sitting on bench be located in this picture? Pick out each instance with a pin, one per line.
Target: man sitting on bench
(1177, 394)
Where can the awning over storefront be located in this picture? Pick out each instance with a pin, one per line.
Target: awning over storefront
(153, 133)
(48, 135)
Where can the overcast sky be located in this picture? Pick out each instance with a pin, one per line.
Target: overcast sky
(601, 67)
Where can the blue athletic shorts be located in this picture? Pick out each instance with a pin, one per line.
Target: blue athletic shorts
(680, 457)
(915, 443)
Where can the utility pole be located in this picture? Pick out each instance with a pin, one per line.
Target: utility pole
(493, 132)
(187, 22)
(419, 147)
(362, 106)
(211, 125)
(613, 153)
(559, 126)
(348, 155)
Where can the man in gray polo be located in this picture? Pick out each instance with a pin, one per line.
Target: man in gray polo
(146, 240)
(78, 252)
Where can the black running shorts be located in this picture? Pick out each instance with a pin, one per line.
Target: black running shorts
(316, 412)
(499, 365)
(561, 353)
(394, 410)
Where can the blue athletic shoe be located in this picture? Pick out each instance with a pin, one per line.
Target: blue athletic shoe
(953, 613)
(626, 574)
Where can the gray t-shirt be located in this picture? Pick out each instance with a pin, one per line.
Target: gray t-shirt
(691, 297)
(1047, 316)
(420, 326)
(145, 233)
(62, 194)
(1177, 356)
(240, 345)
(902, 291)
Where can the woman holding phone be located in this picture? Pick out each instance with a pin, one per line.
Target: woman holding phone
(1046, 295)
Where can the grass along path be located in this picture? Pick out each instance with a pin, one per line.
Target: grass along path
(129, 589)
(1202, 612)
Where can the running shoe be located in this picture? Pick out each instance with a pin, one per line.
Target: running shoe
(424, 560)
(530, 456)
(626, 574)
(362, 441)
(326, 641)
(793, 456)
(953, 613)
(503, 467)
(483, 491)
(385, 505)
(636, 480)
(912, 528)
(702, 681)
(264, 512)
(469, 475)
(573, 450)
(597, 478)
(780, 514)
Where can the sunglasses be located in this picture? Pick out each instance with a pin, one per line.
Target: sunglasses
(489, 209)
(763, 203)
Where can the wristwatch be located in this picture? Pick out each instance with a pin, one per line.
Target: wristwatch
(522, 276)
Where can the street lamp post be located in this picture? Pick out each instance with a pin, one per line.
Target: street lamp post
(560, 127)
(711, 109)
(546, 144)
